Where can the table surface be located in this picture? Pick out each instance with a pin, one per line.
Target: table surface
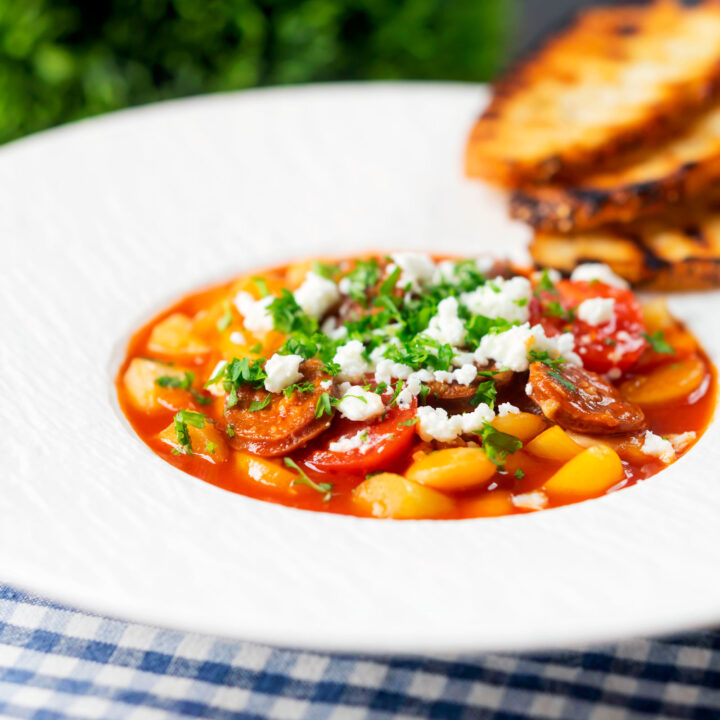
(56, 662)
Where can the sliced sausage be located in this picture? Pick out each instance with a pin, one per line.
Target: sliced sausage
(583, 401)
(456, 397)
(286, 424)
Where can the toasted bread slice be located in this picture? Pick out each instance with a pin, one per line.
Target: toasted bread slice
(623, 254)
(681, 257)
(619, 79)
(682, 169)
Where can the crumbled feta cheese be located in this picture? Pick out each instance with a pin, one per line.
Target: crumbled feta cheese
(510, 349)
(387, 370)
(358, 441)
(216, 388)
(353, 364)
(436, 424)
(443, 376)
(316, 295)
(681, 441)
(445, 273)
(596, 311)
(598, 271)
(500, 298)
(466, 374)
(658, 447)
(417, 269)
(507, 408)
(332, 330)
(237, 338)
(461, 358)
(412, 386)
(359, 404)
(256, 316)
(326, 384)
(614, 373)
(345, 285)
(282, 370)
(446, 327)
(528, 389)
(535, 500)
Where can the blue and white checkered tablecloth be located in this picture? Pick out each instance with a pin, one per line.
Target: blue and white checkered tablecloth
(59, 663)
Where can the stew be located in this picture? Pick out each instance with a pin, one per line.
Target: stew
(410, 386)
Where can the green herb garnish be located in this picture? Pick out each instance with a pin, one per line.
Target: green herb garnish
(256, 405)
(498, 445)
(562, 380)
(658, 343)
(322, 487)
(486, 392)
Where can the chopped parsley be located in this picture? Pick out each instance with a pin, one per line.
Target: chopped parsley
(305, 387)
(210, 447)
(261, 285)
(230, 430)
(486, 393)
(325, 270)
(181, 421)
(658, 343)
(409, 423)
(171, 381)
(544, 357)
(225, 319)
(519, 474)
(289, 317)
(398, 389)
(498, 445)
(545, 283)
(562, 380)
(183, 383)
(303, 479)
(325, 404)
(256, 405)
(361, 278)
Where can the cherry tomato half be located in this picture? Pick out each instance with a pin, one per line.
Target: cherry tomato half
(381, 443)
(617, 343)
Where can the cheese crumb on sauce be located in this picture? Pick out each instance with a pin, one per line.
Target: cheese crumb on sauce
(353, 364)
(359, 404)
(282, 370)
(535, 500)
(500, 298)
(510, 349)
(598, 271)
(316, 295)
(436, 424)
(446, 327)
(416, 269)
(596, 311)
(358, 441)
(658, 447)
(256, 316)
(507, 408)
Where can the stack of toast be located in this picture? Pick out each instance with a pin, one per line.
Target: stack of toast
(608, 140)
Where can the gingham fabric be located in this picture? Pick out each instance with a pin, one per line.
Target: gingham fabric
(59, 663)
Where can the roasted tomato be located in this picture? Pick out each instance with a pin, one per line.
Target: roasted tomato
(616, 343)
(361, 447)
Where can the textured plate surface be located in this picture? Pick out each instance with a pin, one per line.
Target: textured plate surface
(105, 221)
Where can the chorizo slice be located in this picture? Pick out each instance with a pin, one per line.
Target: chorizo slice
(583, 401)
(286, 423)
(456, 397)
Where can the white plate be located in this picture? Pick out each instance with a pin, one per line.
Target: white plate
(105, 221)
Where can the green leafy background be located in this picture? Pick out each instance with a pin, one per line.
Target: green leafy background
(63, 60)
